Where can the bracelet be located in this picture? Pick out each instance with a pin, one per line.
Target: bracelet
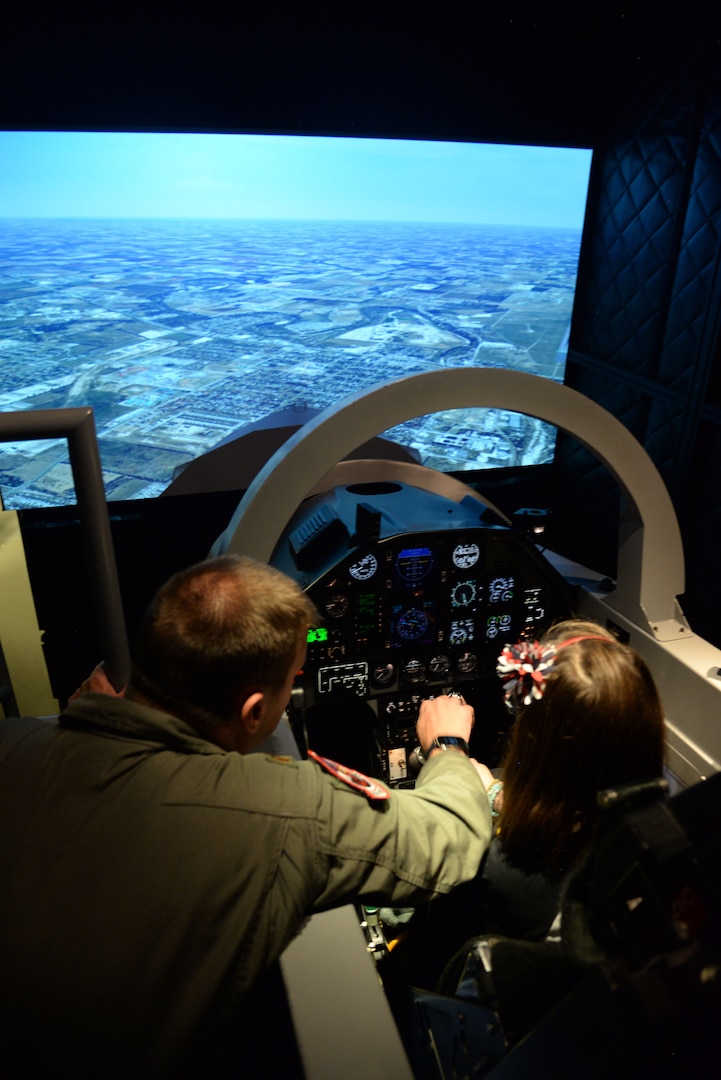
(492, 794)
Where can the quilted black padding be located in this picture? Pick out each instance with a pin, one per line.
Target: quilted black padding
(645, 335)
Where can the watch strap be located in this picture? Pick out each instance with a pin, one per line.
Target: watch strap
(449, 742)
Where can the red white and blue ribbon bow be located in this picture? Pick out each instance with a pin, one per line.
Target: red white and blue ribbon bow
(523, 669)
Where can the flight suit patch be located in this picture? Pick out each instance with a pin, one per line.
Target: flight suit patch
(365, 784)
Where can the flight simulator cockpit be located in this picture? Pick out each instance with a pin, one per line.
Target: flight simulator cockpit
(205, 282)
(419, 581)
(418, 593)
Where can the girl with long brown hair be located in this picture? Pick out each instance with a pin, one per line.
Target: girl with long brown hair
(587, 717)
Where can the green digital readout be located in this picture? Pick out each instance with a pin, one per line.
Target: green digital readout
(367, 616)
(320, 633)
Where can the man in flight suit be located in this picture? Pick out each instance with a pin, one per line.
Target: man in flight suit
(153, 869)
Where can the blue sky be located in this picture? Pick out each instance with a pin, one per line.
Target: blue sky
(109, 175)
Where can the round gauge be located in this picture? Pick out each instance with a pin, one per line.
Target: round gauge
(466, 555)
(414, 671)
(501, 589)
(467, 662)
(383, 674)
(498, 624)
(461, 631)
(439, 665)
(412, 624)
(363, 569)
(336, 606)
(413, 564)
(463, 594)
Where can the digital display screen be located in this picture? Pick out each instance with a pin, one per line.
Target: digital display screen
(188, 286)
(462, 631)
(466, 555)
(499, 625)
(467, 594)
(413, 564)
(343, 677)
(501, 590)
(366, 613)
(534, 606)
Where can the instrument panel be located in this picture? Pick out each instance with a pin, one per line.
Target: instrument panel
(415, 614)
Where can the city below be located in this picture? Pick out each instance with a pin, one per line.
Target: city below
(180, 334)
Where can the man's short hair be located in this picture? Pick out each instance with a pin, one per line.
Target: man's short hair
(215, 630)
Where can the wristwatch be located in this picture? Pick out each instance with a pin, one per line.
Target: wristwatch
(448, 742)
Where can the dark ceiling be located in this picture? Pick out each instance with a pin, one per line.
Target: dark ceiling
(498, 72)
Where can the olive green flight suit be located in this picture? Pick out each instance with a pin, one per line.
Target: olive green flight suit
(148, 877)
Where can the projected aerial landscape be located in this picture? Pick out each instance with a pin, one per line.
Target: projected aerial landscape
(179, 335)
(181, 332)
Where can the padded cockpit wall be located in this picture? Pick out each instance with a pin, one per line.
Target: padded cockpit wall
(645, 336)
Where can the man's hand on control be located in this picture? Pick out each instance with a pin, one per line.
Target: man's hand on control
(444, 715)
